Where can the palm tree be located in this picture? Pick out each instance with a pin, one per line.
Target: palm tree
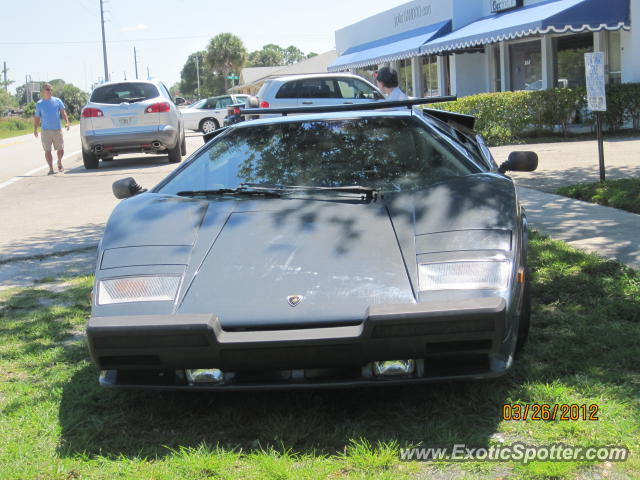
(226, 54)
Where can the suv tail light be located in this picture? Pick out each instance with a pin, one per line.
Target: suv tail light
(92, 112)
(158, 108)
(264, 104)
(236, 110)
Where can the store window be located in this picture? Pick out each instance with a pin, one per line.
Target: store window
(615, 64)
(526, 65)
(368, 72)
(404, 76)
(569, 59)
(430, 76)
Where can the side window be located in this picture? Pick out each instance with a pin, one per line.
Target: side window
(211, 104)
(318, 88)
(289, 90)
(353, 88)
(223, 102)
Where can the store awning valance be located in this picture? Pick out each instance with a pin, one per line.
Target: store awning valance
(557, 16)
(395, 47)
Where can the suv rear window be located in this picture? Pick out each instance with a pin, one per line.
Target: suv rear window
(124, 92)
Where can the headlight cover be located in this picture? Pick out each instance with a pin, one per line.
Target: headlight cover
(138, 289)
(464, 275)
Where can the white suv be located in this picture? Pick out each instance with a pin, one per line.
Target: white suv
(128, 117)
(316, 89)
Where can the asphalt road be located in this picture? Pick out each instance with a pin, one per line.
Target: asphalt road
(43, 214)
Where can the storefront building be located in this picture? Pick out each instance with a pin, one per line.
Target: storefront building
(464, 47)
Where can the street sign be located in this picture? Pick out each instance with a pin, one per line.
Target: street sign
(594, 71)
(596, 98)
(233, 77)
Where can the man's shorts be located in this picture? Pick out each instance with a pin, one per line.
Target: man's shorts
(49, 137)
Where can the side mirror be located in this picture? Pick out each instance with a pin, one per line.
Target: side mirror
(180, 101)
(126, 187)
(520, 162)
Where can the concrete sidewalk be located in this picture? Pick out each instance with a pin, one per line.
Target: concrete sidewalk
(611, 233)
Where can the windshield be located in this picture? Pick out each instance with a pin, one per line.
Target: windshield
(198, 104)
(385, 153)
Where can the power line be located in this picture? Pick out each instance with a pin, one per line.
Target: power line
(85, 42)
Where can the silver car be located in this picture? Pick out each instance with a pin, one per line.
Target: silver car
(130, 117)
(316, 89)
(208, 115)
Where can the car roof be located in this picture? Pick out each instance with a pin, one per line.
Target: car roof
(286, 78)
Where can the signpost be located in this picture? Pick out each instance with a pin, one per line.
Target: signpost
(233, 77)
(596, 97)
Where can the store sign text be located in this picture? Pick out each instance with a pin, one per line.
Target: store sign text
(500, 5)
(410, 14)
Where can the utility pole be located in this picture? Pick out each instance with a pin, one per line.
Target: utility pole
(4, 70)
(198, 75)
(135, 61)
(148, 74)
(104, 45)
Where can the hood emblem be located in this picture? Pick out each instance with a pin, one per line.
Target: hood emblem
(294, 300)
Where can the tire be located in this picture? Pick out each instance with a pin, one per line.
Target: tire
(208, 125)
(524, 319)
(175, 155)
(183, 144)
(90, 160)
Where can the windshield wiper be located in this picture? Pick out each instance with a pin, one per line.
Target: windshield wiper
(369, 193)
(265, 192)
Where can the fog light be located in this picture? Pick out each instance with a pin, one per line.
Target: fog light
(392, 368)
(204, 375)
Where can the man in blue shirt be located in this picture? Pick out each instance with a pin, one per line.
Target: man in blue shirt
(48, 111)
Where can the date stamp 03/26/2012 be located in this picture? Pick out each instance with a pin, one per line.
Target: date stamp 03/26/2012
(550, 412)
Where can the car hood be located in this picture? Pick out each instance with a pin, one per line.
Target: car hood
(245, 259)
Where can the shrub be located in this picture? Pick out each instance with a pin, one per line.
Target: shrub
(505, 117)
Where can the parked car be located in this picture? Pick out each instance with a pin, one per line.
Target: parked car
(316, 89)
(208, 115)
(130, 117)
(317, 250)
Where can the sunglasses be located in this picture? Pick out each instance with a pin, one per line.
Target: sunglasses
(47, 89)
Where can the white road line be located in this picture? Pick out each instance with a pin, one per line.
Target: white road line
(31, 172)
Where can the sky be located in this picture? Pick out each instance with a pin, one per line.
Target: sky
(62, 39)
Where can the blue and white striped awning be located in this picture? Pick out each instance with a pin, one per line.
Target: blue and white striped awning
(395, 47)
(557, 16)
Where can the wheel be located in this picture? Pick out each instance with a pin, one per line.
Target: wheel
(524, 320)
(90, 160)
(175, 155)
(183, 144)
(208, 125)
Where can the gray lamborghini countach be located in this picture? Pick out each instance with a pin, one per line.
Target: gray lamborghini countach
(336, 246)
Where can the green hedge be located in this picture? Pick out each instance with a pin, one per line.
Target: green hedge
(506, 117)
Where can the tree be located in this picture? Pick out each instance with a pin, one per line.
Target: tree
(6, 101)
(271, 55)
(292, 54)
(74, 99)
(311, 54)
(226, 54)
(210, 82)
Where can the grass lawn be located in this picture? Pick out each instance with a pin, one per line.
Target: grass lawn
(15, 126)
(623, 194)
(56, 422)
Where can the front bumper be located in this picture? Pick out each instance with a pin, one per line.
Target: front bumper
(441, 333)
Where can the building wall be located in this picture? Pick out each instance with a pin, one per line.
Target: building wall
(633, 45)
(412, 15)
(471, 74)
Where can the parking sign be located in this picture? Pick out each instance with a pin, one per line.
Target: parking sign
(594, 71)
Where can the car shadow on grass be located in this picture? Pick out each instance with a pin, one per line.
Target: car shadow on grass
(581, 343)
